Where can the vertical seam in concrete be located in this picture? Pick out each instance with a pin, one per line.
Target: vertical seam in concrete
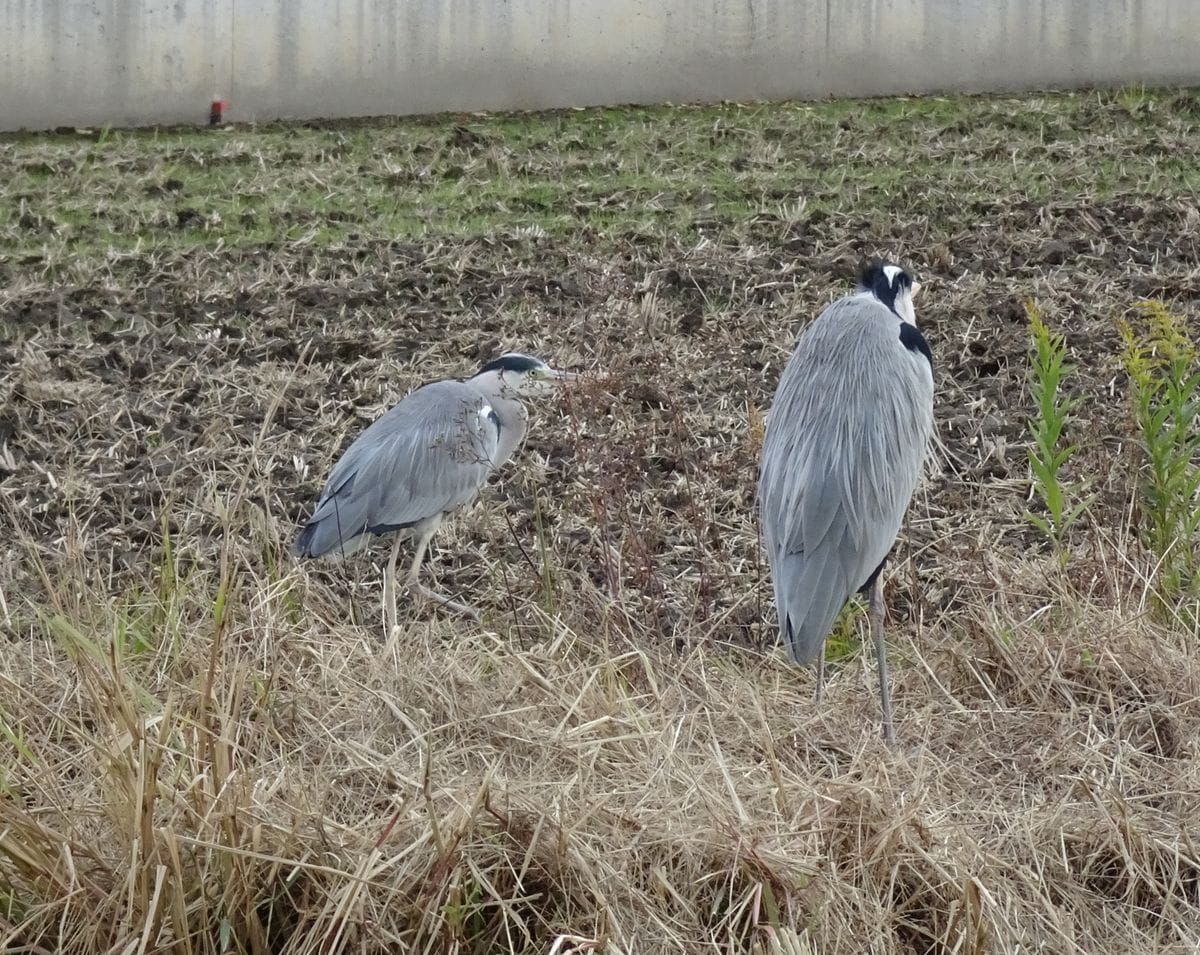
(231, 96)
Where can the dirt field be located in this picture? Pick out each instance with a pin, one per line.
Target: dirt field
(211, 748)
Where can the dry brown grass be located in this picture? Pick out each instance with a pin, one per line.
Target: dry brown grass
(209, 748)
(266, 778)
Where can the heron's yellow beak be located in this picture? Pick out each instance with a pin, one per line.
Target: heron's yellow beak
(916, 287)
(556, 375)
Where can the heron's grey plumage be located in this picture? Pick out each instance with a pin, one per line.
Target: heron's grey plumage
(426, 457)
(847, 438)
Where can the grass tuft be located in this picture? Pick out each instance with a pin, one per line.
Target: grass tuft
(457, 790)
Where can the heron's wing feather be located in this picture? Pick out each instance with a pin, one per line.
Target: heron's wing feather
(843, 451)
(815, 555)
(429, 454)
(806, 622)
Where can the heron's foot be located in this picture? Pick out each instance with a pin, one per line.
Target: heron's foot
(433, 596)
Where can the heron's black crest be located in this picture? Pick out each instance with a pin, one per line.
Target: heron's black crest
(885, 281)
(512, 362)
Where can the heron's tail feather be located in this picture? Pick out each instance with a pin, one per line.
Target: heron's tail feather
(320, 537)
(808, 595)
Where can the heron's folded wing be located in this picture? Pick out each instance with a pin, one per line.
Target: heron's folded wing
(429, 454)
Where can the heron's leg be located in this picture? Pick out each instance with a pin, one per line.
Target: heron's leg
(417, 587)
(820, 674)
(389, 589)
(445, 601)
(875, 615)
(422, 544)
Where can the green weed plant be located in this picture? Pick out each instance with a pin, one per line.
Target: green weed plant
(1163, 364)
(1064, 503)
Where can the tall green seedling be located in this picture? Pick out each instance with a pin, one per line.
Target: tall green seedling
(1164, 377)
(1064, 503)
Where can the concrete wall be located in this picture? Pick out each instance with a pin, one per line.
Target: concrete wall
(128, 62)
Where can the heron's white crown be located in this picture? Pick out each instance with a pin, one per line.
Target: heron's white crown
(892, 286)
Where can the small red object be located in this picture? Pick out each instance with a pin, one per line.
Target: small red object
(216, 111)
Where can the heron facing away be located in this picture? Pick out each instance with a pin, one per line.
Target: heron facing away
(847, 437)
(429, 455)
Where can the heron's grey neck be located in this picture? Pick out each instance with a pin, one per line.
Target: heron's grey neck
(510, 411)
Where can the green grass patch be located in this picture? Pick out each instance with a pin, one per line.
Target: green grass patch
(670, 170)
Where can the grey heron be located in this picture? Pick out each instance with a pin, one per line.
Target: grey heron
(426, 457)
(845, 442)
